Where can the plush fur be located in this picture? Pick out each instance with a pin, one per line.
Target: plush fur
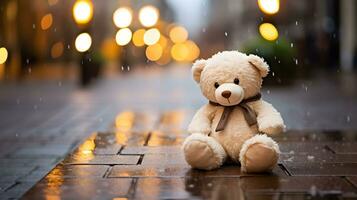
(241, 75)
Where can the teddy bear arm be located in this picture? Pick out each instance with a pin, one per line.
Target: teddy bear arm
(269, 119)
(202, 120)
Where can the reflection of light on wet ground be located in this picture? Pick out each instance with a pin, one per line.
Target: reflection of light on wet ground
(53, 192)
(85, 151)
(124, 121)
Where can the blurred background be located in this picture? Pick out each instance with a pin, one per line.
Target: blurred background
(121, 54)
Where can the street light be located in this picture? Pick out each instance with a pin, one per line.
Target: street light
(269, 6)
(148, 16)
(268, 31)
(3, 55)
(151, 36)
(83, 42)
(123, 36)
(122, 17)
(83, 11)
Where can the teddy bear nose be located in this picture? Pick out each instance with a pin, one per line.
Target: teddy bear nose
(226, 94)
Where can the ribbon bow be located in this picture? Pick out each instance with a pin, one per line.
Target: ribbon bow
(249, 115)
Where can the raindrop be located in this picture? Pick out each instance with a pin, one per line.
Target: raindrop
(291, 45)
(191, 185)
(305, 88)
(35, 107)
(55, 30)
(275, 57)
(89, 59)
(128, 68)
(257, 50)
(27, 61)
(291, 159)
(68, 46)
(16, 135)
(59, 83)
(348, 118)
(204, 30)
(209, 184)
(296, 23)
(308, 113)
(226, 34)
(279, 61)
(313, 190)
(268, 91)
(122, 68)
(30, 70)
(33, 26)
(296, 61)
(292, 152)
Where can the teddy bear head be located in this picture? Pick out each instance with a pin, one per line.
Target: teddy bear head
(228, 77)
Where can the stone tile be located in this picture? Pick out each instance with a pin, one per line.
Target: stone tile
(353, 180)
(308, 184)
(78, 171)
(319, 158)
(21, 162)
(108, 150)
(11, 174)
(131, 138)
(162, 140)
(69, 188)
(182, 171)
(321, 169)
(103, 159)
(315, 136)
(303, 147)
(152, 150)
(17, 191)
(164, 159)
(5, 185)
(43, 151)
(344, 147)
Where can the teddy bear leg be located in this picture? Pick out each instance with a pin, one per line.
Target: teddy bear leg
(260, 153)
(203, 152)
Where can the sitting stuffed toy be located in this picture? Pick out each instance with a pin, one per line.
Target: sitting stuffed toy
(236, 123)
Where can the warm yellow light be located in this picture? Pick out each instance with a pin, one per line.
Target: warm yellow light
(178, 34)
(138, 37)
(269, 6)
(163, 41)
(122, 17)
(83, 11)
(123, 36)
(154, 52)
(52, 2)
(83, 42)
(268, 31)
(3, 55)
(148, 16)
(124, 121)
(151, 36)
(57, 50)
(110, 49)
(179, 52)
(194, 51)
(166, 56)
(46, 21)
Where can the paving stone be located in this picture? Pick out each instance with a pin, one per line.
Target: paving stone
(43, 151)
(308, 184)
(69, 188)
(17, 190)
(157, 139)
(344, 148)
(321, 169)
(164, 159)
(182, 171)
(318, 158)
(21, 162)
(103, 159)
(5, 185)
(152, 150)
(11, 174)
(78, 171)
(303, 147)
(315, 136)
(131, 138)
(353, 180)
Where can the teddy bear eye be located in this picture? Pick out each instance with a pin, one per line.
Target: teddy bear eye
(216, 85)
(236, 81)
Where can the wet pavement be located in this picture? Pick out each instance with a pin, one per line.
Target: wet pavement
(121, 139)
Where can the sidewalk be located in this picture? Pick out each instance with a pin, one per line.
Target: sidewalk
(139, 121)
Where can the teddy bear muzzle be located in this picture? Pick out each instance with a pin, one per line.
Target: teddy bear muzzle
(229, 94)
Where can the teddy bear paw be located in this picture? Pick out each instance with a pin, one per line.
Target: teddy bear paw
(203, 152)
(259, 154)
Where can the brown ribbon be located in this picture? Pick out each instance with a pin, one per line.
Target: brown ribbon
(249, 114)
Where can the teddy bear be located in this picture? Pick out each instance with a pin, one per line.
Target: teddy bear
(236, 123)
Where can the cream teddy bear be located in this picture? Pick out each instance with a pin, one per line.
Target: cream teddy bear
(236, 123)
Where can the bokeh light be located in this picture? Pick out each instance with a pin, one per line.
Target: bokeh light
(52, 2)
(123, 36)
(46, 21)
(138, 38)
(268, 31)
(57, 50)
(148, 16)
(269, 6)
(194, 51)
(83, 11)
(3, 55)
(110, 49)
(178, 34)
(154, 52)
(179, 52)
(122, 17)
(151, 36)
(83, 42)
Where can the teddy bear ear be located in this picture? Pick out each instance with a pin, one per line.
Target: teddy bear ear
(259, 64)
(197, 68)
